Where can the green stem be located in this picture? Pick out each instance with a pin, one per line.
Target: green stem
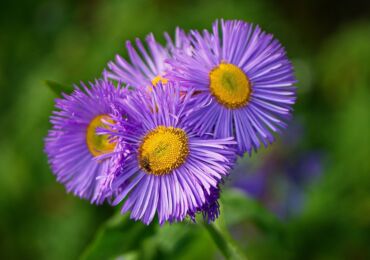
(224, 242)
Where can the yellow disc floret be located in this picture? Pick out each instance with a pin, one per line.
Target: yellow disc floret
(155, 82)
(230, 85)
(163, 149)
(98, 144)
(158, 79)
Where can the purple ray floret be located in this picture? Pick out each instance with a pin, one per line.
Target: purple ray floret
(183, 190)
(66, 145)
(146, 61)
(252, 57)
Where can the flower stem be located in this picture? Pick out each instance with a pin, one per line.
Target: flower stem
(224, 242)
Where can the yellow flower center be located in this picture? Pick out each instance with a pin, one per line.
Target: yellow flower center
(98, 144)
(163, 149)
(155, 81)
(158, 79)
(230, 86)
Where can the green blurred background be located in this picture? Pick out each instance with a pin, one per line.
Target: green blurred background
(315, 179)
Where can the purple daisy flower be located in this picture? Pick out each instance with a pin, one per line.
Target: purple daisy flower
(245, 79)
(171, 170)
(73, 147)
(147, 69)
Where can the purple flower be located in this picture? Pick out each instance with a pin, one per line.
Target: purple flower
(171, 170)
(73, 146)
(280, 181)
(245, 79)
(147, 69)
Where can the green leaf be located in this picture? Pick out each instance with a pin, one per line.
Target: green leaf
(173, 237)
(238, 207)
(218, 230)
(118, 236)
(224, 241)
(58, 88)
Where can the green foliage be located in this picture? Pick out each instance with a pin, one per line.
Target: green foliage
(58, 88)
(237, 207)
(224, 241)
(118, 236)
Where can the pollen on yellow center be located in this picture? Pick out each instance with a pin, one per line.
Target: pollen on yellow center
(163, 149)
(155, 82)
(158, 79)
(230, 85)
(99, 144)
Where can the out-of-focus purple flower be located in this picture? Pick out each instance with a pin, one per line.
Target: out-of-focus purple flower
(305, 168)
(279, 180)
(171, 171)
(245, 79)
(72, 145)
(254, 183)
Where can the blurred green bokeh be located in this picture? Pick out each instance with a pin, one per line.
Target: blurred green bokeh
(68, 41)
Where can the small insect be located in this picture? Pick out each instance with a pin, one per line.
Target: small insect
(145, 164)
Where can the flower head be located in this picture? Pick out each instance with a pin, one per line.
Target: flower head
(75, 150)
(147, 68)
(246, 81)
(171, 170)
